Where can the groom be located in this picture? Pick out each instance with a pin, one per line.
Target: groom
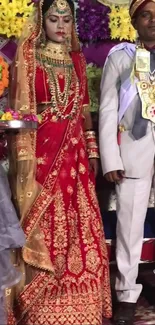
(127, 146)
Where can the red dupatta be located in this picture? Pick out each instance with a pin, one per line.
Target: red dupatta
(49, 172)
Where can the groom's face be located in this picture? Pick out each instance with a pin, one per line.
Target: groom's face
(144, 22)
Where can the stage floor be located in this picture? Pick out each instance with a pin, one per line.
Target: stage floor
(145, 313)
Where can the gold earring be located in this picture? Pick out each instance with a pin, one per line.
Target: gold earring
(68, 43)
(43, 39)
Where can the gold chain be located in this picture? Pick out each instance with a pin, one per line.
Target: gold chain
(59, 99)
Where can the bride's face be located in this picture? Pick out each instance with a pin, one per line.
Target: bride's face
(58, 26)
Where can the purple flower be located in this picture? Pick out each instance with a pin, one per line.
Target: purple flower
(92, 21)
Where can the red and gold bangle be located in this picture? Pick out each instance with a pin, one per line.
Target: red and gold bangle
(92, 147)
(86, 108)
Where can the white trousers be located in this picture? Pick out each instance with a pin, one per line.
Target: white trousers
(132, 203)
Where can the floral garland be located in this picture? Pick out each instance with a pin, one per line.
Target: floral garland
(94, 77)
(120, 24)
(13, 15)
(4, 75)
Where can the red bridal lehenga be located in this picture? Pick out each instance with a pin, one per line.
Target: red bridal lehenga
(66, 272)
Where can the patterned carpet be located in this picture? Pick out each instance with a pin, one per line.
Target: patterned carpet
(145, 313)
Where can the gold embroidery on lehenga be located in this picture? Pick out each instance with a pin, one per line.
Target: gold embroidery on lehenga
(87, 235)
(92, 260)
(74, 260)
(73, 173)
(74, 141)
(73, 305)
(41, 160)
(79, 302)
(82, 153)
(60, 232)
(70, 190)
(75, 263)
(54, 173)
(60, 264)
(82, 169)
(76, 156)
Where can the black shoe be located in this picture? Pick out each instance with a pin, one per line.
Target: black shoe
(125, 313)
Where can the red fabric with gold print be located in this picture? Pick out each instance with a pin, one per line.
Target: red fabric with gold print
(77, 291)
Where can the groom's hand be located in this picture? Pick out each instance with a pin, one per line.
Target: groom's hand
(115, 176)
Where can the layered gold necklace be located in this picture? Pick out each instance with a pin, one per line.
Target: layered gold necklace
(51, 58)
(146, 82)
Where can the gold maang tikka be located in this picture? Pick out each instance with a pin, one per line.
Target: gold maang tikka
(61, 7)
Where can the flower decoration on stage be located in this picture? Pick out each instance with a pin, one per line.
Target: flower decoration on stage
(13, 15)
(4, 75)
(120, 24)
(94, 78)
(11, 115)
(92, 21)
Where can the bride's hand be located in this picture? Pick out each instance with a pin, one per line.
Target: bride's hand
(93, 162)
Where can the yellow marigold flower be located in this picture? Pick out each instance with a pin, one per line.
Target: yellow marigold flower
(4, 75)
(132, 33)
(120, 24)
(13, 15)
(115, 33)
(123, 12)
(7, 116)
(114, 12)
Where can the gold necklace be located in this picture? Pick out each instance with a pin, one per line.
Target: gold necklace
(56, 52)
(49, 58)
(62, 96)
(59, 111)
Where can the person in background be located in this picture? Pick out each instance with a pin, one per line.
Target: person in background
(127, 146)
(11, 238)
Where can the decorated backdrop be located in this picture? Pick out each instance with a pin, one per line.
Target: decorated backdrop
(100, 25)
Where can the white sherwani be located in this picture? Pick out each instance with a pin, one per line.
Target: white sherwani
(136, 158)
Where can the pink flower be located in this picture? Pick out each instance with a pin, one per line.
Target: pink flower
(30, 117)
(27, 118)
(9, 110)
(15, 115)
